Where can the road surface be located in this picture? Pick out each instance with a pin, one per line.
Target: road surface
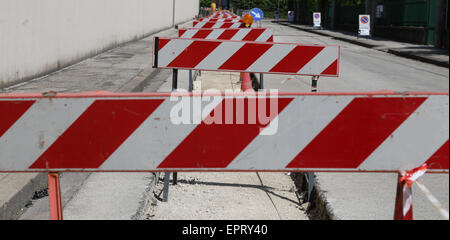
(351, 196)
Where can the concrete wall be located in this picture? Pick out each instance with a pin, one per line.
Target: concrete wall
(41, 36)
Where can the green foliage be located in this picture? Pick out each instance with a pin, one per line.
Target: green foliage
(265, 5)
(351, 2)
(268, 6)
(206, 3)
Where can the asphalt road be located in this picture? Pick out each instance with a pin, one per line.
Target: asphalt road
(368, 195)
(352, 196)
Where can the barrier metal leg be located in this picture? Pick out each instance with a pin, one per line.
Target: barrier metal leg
(311, 183)
(54, 195)
(314, 86)
(175, 80)
(166, 187)
(191, 81)
(167, 174)
(261, 81)
(311, 175)
(403, 201)
(175, 178)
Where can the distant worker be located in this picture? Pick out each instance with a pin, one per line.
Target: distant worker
(213, 7)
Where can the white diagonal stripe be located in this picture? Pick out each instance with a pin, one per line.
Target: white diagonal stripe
(416, 140)
(298, 124)
(189, 33)
(271, 57)
(236, 25)
(172, 50)
(217, 25)
(321, 61)
(215, 34)
(241, 34)
(37, 130)
(264, 37)
(220, 55)
(199, 24)
(149, 152)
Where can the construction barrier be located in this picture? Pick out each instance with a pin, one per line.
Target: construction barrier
(220, 19)
(216, 24)
(222, 14)
(240, 56)
(228, 132)
(254, 132)
(241, 34)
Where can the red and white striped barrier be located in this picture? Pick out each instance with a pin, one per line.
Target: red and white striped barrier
(217, 24)
(220, 20)
(286, 132)
(223, 15)
(239, 56)
(242, 34)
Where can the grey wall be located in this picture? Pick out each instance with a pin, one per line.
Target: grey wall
(41, 36)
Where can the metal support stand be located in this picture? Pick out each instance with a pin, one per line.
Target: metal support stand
(261, 81)
(191, 81)
(167, 174)
(175, 80)
(54, 195)
(403, 201)
(314, 85)
(166, 187)
(311, 175)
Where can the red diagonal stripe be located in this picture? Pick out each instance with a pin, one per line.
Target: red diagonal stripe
(10, 112)
(227, 25)
(253, 34)
(162, 43)
(245, 56)
(228, 34)
(96, 134)
(209, 25)
(181, 32)
(216, 145)
(202, 33)
(440, 160)
(297, 59)
(194, 54)
(332, 69)
(356, 132)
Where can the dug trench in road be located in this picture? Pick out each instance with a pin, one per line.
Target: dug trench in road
(225, 196)
(100, 195)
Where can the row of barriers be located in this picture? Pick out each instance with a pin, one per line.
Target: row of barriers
(247, 131)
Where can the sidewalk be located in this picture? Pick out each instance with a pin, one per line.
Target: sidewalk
(424, 53)
(127, 68)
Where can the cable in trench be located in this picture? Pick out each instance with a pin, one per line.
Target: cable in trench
(268, 195)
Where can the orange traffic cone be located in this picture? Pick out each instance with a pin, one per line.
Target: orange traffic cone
(246, 82)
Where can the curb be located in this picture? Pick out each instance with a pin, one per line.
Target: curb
(419, 58)
(11, 208)
(146, 201)
(318, 208)
(356, 42)
(333, 37)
